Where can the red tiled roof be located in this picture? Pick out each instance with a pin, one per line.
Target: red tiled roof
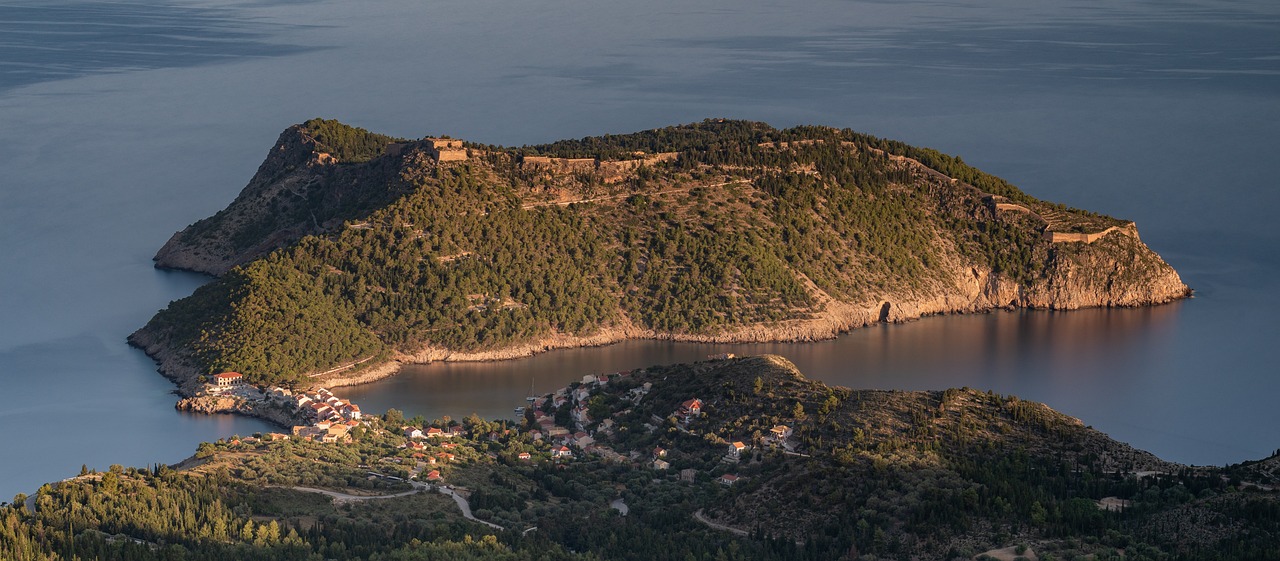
(228, 375)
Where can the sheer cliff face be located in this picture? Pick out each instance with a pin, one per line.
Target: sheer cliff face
(739, 232)
(1116, 270)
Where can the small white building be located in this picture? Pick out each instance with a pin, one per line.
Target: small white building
(228, 379)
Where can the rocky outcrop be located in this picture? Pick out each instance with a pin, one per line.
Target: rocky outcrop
(1116, 270)
(210, 404)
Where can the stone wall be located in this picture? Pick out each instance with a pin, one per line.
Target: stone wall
(1129, 229)
(559, 165)
(446, 149)
(614, 171)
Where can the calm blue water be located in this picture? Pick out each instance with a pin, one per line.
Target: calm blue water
(123, 122)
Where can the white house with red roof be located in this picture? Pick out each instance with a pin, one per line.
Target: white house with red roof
(690, 410)
(227, 380)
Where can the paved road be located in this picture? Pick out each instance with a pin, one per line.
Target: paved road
(466, 508)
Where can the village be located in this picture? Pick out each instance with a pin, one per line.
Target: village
(583, 435)
(318, 416)
(560, 427)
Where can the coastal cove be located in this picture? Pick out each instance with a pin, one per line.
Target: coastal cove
(1093, 364)
(1104, 107)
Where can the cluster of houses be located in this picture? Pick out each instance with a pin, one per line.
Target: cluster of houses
(330, 418)
(691, 410)
(322, 405)
(565, 440)
(777, 435)
(421, 442)
(326, 431)
(321, 416)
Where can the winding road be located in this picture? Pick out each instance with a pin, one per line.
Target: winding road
(700, 518)
(339, 497)
(344, 497)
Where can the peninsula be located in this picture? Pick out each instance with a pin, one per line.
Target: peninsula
(350, 253)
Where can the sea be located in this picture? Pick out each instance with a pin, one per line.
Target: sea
(122, 122)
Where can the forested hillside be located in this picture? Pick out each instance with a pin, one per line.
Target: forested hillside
(722, 230)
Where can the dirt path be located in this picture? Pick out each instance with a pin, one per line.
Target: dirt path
(344, 497)
(339, 497)
(700, 518)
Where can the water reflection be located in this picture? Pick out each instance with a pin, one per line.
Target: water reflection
(1036, 354)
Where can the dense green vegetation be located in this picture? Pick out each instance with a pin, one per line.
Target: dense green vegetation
(347, 143)
(471, 256)
(872, 475)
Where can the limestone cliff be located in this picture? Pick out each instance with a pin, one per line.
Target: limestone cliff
(721, 231)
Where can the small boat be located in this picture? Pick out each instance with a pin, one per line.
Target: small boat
(519, 411)
(531, 397)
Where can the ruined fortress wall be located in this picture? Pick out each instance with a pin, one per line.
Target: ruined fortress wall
(444, 143)
(449, 155)
(1060, 237)
(561, 165)
(1012, 207)
(397, 148)
(617, 170)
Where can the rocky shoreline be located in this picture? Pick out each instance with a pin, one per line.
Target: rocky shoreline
(982, 294)
(218, 404)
